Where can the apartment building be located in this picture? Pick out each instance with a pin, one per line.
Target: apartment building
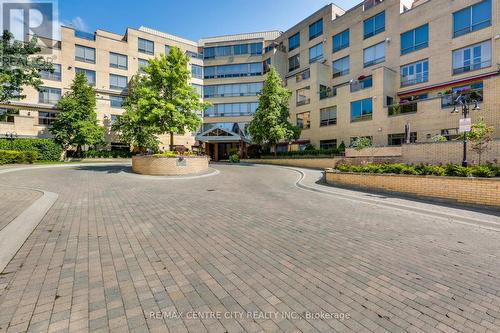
(109, 61)
(385, 69)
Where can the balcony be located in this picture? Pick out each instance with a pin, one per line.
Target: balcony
(304, 75)
(472, 67)
(84, 35)
(361, 84)
(370, 3)
(402, 108)
(327, 92)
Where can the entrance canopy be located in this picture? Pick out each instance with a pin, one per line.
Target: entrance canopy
(217, 134)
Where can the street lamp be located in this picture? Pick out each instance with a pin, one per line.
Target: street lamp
(464, 100)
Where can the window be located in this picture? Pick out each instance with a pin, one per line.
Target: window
(193, 54)
(117, 60)
(304, 120)
(116, 101)
(374, 54)
(304, 75)
(231, 109)
(146, 46)
(47, 95)
(232, 90)
(472, 58)
(89, 74)
(399, 138)
(117, 82)
(315, 53)
(85, 54)
(414, 73)
(232, 50)
(476, 89)
(198, 88)
(340, 67)
(472, 18)
(404, 107)
(415, 39)
(114, 118)
(7, 115)
(328, 116)
(316, 29)
(237, 70)
(55, 76)
(328, 144)
(361, 110)
(341, 41)
(294, 41)
(363, 83)
(374, 25)
(141, 63)
(46, 118)
(167, 50)
(197, 71)
(293, 63)
(303, 96)
(325, 92)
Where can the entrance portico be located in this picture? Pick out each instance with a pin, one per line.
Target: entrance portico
(219, 142)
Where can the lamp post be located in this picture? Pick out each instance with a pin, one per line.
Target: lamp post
(464, 100)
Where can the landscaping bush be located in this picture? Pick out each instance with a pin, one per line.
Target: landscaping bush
(423, 169)
(308, 153)
(234, 158)
(47, 149)
(16, 156)
(254, 151)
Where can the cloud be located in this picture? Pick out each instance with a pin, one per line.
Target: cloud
(78, 23)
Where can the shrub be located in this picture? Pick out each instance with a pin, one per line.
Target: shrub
(435, 170)
(47, 149)
(15, 156)
(168, 153)
(254, 151)
(234, 158)
(106, 154)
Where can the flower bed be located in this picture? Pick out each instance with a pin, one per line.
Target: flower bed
(169, 164)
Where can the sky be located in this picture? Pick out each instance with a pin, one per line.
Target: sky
(191, 19)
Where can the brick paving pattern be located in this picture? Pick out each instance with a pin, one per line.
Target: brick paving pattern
(116, 247)
(13, 201)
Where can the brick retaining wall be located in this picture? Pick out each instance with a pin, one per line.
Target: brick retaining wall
(168, 166)
(478, 191)
(313, 163)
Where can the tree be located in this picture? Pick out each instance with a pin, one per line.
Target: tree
(480, 137)
(361, 142)
(270, 123)
(76, 122)
(132, 127)
(18, 66)
(168, 101)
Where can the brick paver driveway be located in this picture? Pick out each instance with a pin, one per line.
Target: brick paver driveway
(245, 250)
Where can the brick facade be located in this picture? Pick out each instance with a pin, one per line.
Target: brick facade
(168, 166)
(478, 191)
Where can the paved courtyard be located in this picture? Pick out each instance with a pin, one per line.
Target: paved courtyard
(245, 250)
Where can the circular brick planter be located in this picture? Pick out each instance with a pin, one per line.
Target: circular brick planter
(169, 166)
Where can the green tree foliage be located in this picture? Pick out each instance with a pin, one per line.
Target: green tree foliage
(271, 124)
(480, 137)
(132, 127)
(162, 101)
(361, 142)
(76, 122)
(18, 66)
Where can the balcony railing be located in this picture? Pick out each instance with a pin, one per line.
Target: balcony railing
(84, 35)
(367, 4)
(402, 108)
(303, 75)
(328, 92)
(361, 84)
(472, 67)
(304, 101)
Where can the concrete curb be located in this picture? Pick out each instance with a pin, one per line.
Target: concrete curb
(428, 212)
(14, 234)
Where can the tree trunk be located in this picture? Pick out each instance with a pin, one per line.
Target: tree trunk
(64, 154)
(171, 141)
(275, 149)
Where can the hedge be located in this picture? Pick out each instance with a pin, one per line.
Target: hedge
(48, 150)
(106, 154)
(424, 169)
(316, 153)
(15, 156)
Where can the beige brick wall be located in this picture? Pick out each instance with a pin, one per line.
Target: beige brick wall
(478, 191)
(447, 152)
(168, 166)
